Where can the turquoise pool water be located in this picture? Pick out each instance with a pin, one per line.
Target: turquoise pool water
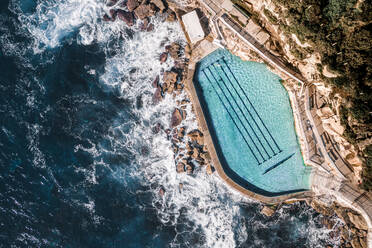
(251, 123)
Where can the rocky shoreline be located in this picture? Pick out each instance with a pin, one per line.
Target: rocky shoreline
(190, 152)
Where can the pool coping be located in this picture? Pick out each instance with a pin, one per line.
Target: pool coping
(189, 84)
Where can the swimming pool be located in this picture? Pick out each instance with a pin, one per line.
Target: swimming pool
(251, 123)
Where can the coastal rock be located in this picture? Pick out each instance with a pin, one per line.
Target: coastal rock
(174, 50)
(126, 17)
(155, 83)
(163, 58)
(143, 11)
(157, 128)
(171, 16)
(355, 243)
(132, 4)
(113, 14)
(161, 191)
(189, 168)
(327, 211)
(170, 77)
(146, 25)
(209, 169)
(106, 18)
(159, 4)
(195, 153)
(268, 211)
(181, 133)
(157, 97)
(357, 220)
(176, 117)
(181, 167)
(196, 136)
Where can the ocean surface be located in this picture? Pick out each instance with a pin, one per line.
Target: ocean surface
(80, 165)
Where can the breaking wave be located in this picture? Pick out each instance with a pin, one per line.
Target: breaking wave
(199, 209)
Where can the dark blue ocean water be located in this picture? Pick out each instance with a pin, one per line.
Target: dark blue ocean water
(79, 166)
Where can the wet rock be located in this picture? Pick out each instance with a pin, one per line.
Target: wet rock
(170, 77)
(180, 185)
(150, 27)
(209, 169)
(126, 17)
(268, 211)
(161, 191)
(171, 16)
(157, 128)
(113, 14)
(206, 156)
(163, 58)
(106, 18)
(196, 136)
(189, 168)
(176, 117)
(363, 242)
(195, 153)
(327, 211)
(155, 83)
(132, 4)
(143, 11)
(181, 132)
(357, 220)
(174, 50)
(159, 4)
(355, 243)
(157, 97)
(181, 167)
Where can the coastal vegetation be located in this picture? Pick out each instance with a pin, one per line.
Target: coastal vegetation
(340, 31)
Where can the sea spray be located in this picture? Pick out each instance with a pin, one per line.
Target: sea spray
(104, 185)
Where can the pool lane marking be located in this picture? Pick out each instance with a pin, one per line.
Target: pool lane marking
(244, 115)
(277, 164)
(263, 123)
(249, 112)
(246, 142)
(232, 108)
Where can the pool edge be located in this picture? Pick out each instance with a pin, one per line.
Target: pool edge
(213, 153)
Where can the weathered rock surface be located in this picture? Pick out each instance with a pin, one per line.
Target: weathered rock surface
(126, 17)
(163, 58)
(171, 16)
(181, 167)
(132, 4)
(358, 221)
(173, 50)
(143, 11)
(159, 4)
(170, 77)
(176, 117)
(157, 96)
(209, 169)
(268, 211)
(155, 83)
(196, 136)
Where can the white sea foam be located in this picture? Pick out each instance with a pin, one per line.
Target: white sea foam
(213, 210)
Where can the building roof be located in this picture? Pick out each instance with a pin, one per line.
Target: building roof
(193, 26)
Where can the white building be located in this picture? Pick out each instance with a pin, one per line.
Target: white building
(193, 27)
